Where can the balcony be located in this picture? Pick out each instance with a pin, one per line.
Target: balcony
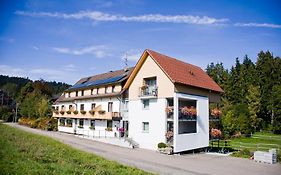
(95, 115)
(148, 92)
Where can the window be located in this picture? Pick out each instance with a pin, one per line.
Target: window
(145, 104)
(82, 93)
(76, 93)
(70, 107)
(81, 122)
(92, 91)
(93, 105)
(109, 123)
(62, 107)
(57, 108)
(113, 88)
(69, 94)
(110, 106)
(92, 123)
(105, 90)
(62, 121)
(97, 90)
(69, 122)
(82, 107)
(145, 126)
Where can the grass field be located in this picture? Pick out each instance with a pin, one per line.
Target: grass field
(257, 142)
(26, 153)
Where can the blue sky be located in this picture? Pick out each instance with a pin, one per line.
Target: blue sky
(66, 40)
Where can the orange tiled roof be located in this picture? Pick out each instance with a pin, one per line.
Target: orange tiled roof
(184, 73)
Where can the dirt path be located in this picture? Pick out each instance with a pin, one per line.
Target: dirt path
(191, 164)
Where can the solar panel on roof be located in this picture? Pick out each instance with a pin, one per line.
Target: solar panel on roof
(98, 82)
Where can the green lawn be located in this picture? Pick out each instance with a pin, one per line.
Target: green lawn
(26, 153)
(258, 142)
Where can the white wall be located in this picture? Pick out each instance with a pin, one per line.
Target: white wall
(200, 139)
(156, 117)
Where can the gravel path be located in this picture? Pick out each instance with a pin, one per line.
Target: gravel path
(190, 164)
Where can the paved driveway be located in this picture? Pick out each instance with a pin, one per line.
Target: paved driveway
(191, 164)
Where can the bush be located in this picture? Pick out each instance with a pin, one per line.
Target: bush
(49, 124)
(162, 145)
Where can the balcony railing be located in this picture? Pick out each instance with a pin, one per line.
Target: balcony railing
(87, 115)
(148, 91)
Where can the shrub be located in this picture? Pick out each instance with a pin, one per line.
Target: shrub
(162, 145)
(49, 124)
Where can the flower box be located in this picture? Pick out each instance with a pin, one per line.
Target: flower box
(61, 112)
(83, 112)
(92, 112)
(108, 129)
(101, 112)
(75, 112)
(80, 127)
(92, 127)
(68, 112)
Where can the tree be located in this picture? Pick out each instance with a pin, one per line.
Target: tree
(43, 106)
(254, 103)
(10, 89)
(277, 109)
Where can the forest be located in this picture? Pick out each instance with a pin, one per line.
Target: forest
(251, 100)
(252, 94)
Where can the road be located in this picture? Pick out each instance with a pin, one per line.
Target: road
(152, 161)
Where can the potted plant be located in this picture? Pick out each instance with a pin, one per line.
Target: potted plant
(92, 127)
(108, 129)
(83, 112)
(92, 112)
(75, 112)
(216, 133)
(169, 136)
(169, 109)
(61, 112)
(101, 111)
(215, 112)
(188, 112)
(164, 148)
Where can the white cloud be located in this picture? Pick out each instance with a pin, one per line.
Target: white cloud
(60, 74)
(100, 16)
(11, 71)
(35, 48)
(99, 51)
(69, 67)
(132, 55)
(8, 40)
(258, 25)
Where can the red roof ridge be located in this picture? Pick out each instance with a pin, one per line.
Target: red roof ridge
(177, 70)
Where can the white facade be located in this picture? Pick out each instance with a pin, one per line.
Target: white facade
(200, 139)
(156, 117)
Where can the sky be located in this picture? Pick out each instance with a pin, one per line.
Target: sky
(65, 40)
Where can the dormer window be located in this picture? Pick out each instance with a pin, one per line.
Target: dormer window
(68, 94)
(82, 93)
(76, 94)
(92, 91)
(97, 90)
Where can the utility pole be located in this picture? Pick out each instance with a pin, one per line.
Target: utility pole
(126, 60)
